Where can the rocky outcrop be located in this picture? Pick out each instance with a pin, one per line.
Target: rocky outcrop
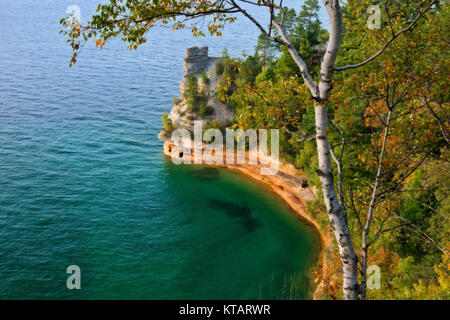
(197, 62)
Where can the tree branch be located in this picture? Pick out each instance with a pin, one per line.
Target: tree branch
(298, 60)
(258, 25)
(338, 162)
(380, 165)
(422, 234)
(387, 44)
(327, 66)
(381, 231)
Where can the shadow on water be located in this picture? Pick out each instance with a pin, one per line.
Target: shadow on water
(241, 212)
(206, 174)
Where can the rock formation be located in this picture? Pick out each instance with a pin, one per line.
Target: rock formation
(196, 63)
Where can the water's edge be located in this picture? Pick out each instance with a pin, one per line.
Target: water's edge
(279, 186)
(322, 239)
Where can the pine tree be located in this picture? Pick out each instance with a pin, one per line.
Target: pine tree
(308, 29)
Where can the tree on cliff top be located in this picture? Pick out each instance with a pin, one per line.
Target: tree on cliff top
(132, 19)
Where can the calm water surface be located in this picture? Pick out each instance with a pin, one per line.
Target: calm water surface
(83, 180)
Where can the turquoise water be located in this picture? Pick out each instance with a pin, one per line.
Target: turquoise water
(83, 180)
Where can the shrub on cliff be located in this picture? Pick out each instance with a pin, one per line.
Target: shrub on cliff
(205, 110)
(192, 93)
(205, 78)
(168, 126)
(175, 100)
(194, 96)
(219, 67)
(237, 73)
(211, 124)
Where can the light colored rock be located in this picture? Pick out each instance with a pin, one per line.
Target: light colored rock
(196, 62)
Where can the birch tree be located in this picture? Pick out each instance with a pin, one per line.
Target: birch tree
(132, 19)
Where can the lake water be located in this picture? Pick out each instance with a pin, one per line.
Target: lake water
(83, 180)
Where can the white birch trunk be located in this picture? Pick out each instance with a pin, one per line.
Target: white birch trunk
(336, 213)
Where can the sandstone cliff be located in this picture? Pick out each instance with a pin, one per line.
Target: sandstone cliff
(197, 63)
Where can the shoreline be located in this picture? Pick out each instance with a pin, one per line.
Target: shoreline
(290, 185)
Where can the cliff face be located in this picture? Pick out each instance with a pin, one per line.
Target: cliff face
(197, 63)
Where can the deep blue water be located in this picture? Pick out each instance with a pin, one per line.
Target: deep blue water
(83, 180)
